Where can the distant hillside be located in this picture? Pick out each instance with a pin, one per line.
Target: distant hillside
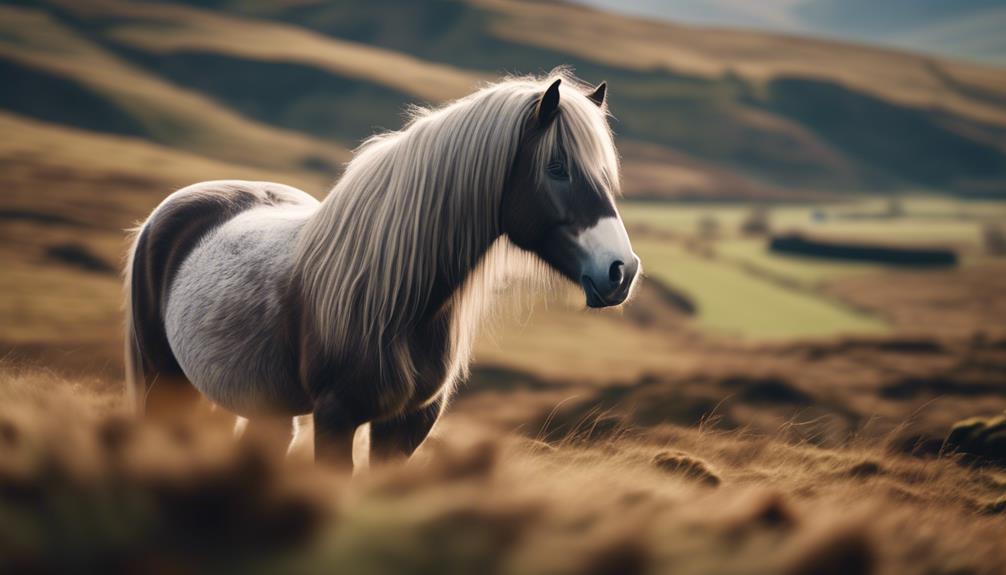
(968, 29)
(702, 113)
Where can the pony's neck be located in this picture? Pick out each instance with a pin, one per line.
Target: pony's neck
(401, 233)
(453, 273)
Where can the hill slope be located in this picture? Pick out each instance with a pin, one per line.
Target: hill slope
(748, 111)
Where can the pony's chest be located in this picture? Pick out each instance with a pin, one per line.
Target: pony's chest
(432, 355)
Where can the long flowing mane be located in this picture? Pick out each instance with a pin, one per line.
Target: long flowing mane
(422, 204)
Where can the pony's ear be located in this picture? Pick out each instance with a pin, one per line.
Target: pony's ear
(597, 96)
(548, 104)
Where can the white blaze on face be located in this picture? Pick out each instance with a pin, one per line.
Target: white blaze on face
(605, 242)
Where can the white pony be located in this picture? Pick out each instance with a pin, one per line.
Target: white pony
(361, 308)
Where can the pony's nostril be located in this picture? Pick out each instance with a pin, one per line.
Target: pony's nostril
(616, 273)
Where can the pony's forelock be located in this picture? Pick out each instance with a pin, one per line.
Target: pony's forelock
(581, 135)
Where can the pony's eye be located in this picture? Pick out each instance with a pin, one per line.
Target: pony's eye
(558, 170)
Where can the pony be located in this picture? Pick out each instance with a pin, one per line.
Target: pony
(361, 308)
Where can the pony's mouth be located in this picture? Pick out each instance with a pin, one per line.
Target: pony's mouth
(594, 298)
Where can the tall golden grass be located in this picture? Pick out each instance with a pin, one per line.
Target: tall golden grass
(84, 486)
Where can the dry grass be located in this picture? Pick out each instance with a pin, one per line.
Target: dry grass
(900, 395)
(83, 486)
(959, 301)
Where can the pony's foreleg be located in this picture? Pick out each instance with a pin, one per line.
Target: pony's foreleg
(400, 436)
(334, 427)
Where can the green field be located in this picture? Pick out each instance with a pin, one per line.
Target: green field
(735, 302)
(742, 288)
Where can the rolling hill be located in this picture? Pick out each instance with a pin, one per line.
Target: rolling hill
(110, 105)
(292, 86)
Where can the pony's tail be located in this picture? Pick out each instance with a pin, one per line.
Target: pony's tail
(135, 391)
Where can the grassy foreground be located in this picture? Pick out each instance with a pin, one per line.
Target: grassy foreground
(84, 487)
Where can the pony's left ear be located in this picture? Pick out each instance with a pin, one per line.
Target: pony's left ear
(597, 96)
(548, 104)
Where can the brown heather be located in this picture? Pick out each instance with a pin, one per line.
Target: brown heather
(84, 486)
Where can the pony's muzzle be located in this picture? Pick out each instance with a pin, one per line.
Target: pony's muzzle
(611, 285)
(607, 264)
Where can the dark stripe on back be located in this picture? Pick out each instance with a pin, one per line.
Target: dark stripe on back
(166, 240)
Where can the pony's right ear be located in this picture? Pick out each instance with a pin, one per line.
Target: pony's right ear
(597, 96)
(548, 105)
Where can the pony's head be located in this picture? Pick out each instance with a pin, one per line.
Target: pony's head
(559, 201)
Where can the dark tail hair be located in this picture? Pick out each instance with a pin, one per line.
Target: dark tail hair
(135, 380)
